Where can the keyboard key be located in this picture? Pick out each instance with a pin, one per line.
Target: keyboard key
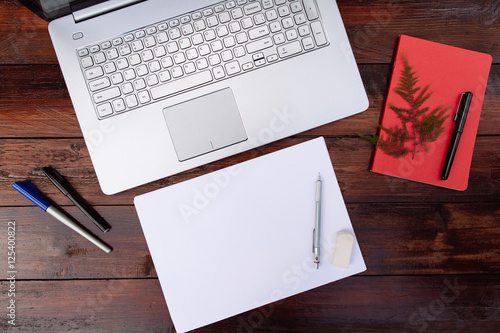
(296, 6)
(106, 95)
(104, 110)
(252, 8)
(308, 43)
(152, 80)
(83, 52)
(237, 13)
(164, 76)
(319, 35)
(119, 104)
(258, 32)
(310, 8)
(181, 85)
(117, 41)
(189, 68)
(147, 55)
(219, 72)
(259, 45)
(122, 63)
(233, 68)
(160, 51)
(109, 67)
(99, 58)
(224, 17)
(129, 74)
(199, 25)
(177, 72)
(124, 49)
(187, 29)
(167, 62)
(149, 41)
(300, 19)
(94, 73)
(174, 33)
(172, 47)
(127, 88)
(137, 45)
(162, 37)
(144, 97)
(197, 39)
(201, 63)
(142, 70)
(117, 78)
(154, 66)
(288, 50)
(112, 54)
(99, 84)
(131, 101)
(139, 84)
(87, 62)
(259, 19)
(196, 48)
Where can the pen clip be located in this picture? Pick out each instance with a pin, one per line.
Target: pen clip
(57, 179)
(458, 107)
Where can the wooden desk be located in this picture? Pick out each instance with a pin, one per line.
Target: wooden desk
(433, 255)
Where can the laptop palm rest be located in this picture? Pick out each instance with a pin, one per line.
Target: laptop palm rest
(204, 124)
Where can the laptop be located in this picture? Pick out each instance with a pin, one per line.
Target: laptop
(163, 86)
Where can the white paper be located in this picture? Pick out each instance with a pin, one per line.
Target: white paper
(241, 237)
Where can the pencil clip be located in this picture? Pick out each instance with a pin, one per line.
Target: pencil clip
(314, 233)
(458, 107)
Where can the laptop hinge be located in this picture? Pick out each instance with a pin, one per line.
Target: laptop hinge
(82, 12)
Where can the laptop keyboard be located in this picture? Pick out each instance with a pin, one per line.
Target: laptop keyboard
(195, 49)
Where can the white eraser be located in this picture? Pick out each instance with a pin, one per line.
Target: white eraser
(343, 249)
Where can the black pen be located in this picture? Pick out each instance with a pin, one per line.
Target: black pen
(63, 185)
(460, 118)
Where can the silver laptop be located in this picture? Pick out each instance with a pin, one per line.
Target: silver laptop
(162, 86)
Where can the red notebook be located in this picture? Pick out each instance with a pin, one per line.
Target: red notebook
(450, 71)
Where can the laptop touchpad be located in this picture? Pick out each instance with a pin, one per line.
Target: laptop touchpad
(205, 124)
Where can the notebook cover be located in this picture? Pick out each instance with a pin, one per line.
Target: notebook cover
(450, 71)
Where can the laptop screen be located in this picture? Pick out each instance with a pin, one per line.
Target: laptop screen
(52, 9)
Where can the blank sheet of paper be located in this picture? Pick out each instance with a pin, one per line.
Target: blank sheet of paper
(241, 237)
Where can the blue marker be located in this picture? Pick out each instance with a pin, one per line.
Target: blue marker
(31, 192)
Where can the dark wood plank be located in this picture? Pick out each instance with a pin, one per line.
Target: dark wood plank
(24, 36)
(351, 158)
(35, 103)
(372, 26)
(432, 253)
(448, 303)
(88, 306)
(424, 239)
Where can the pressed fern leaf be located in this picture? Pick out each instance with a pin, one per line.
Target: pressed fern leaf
(424, 127)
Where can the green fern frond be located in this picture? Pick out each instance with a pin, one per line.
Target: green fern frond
(425, 127)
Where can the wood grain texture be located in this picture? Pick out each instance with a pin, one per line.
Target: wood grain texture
(432, 254)
(441, 303)
(351, 158)
(372, 27)
(425, 239)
